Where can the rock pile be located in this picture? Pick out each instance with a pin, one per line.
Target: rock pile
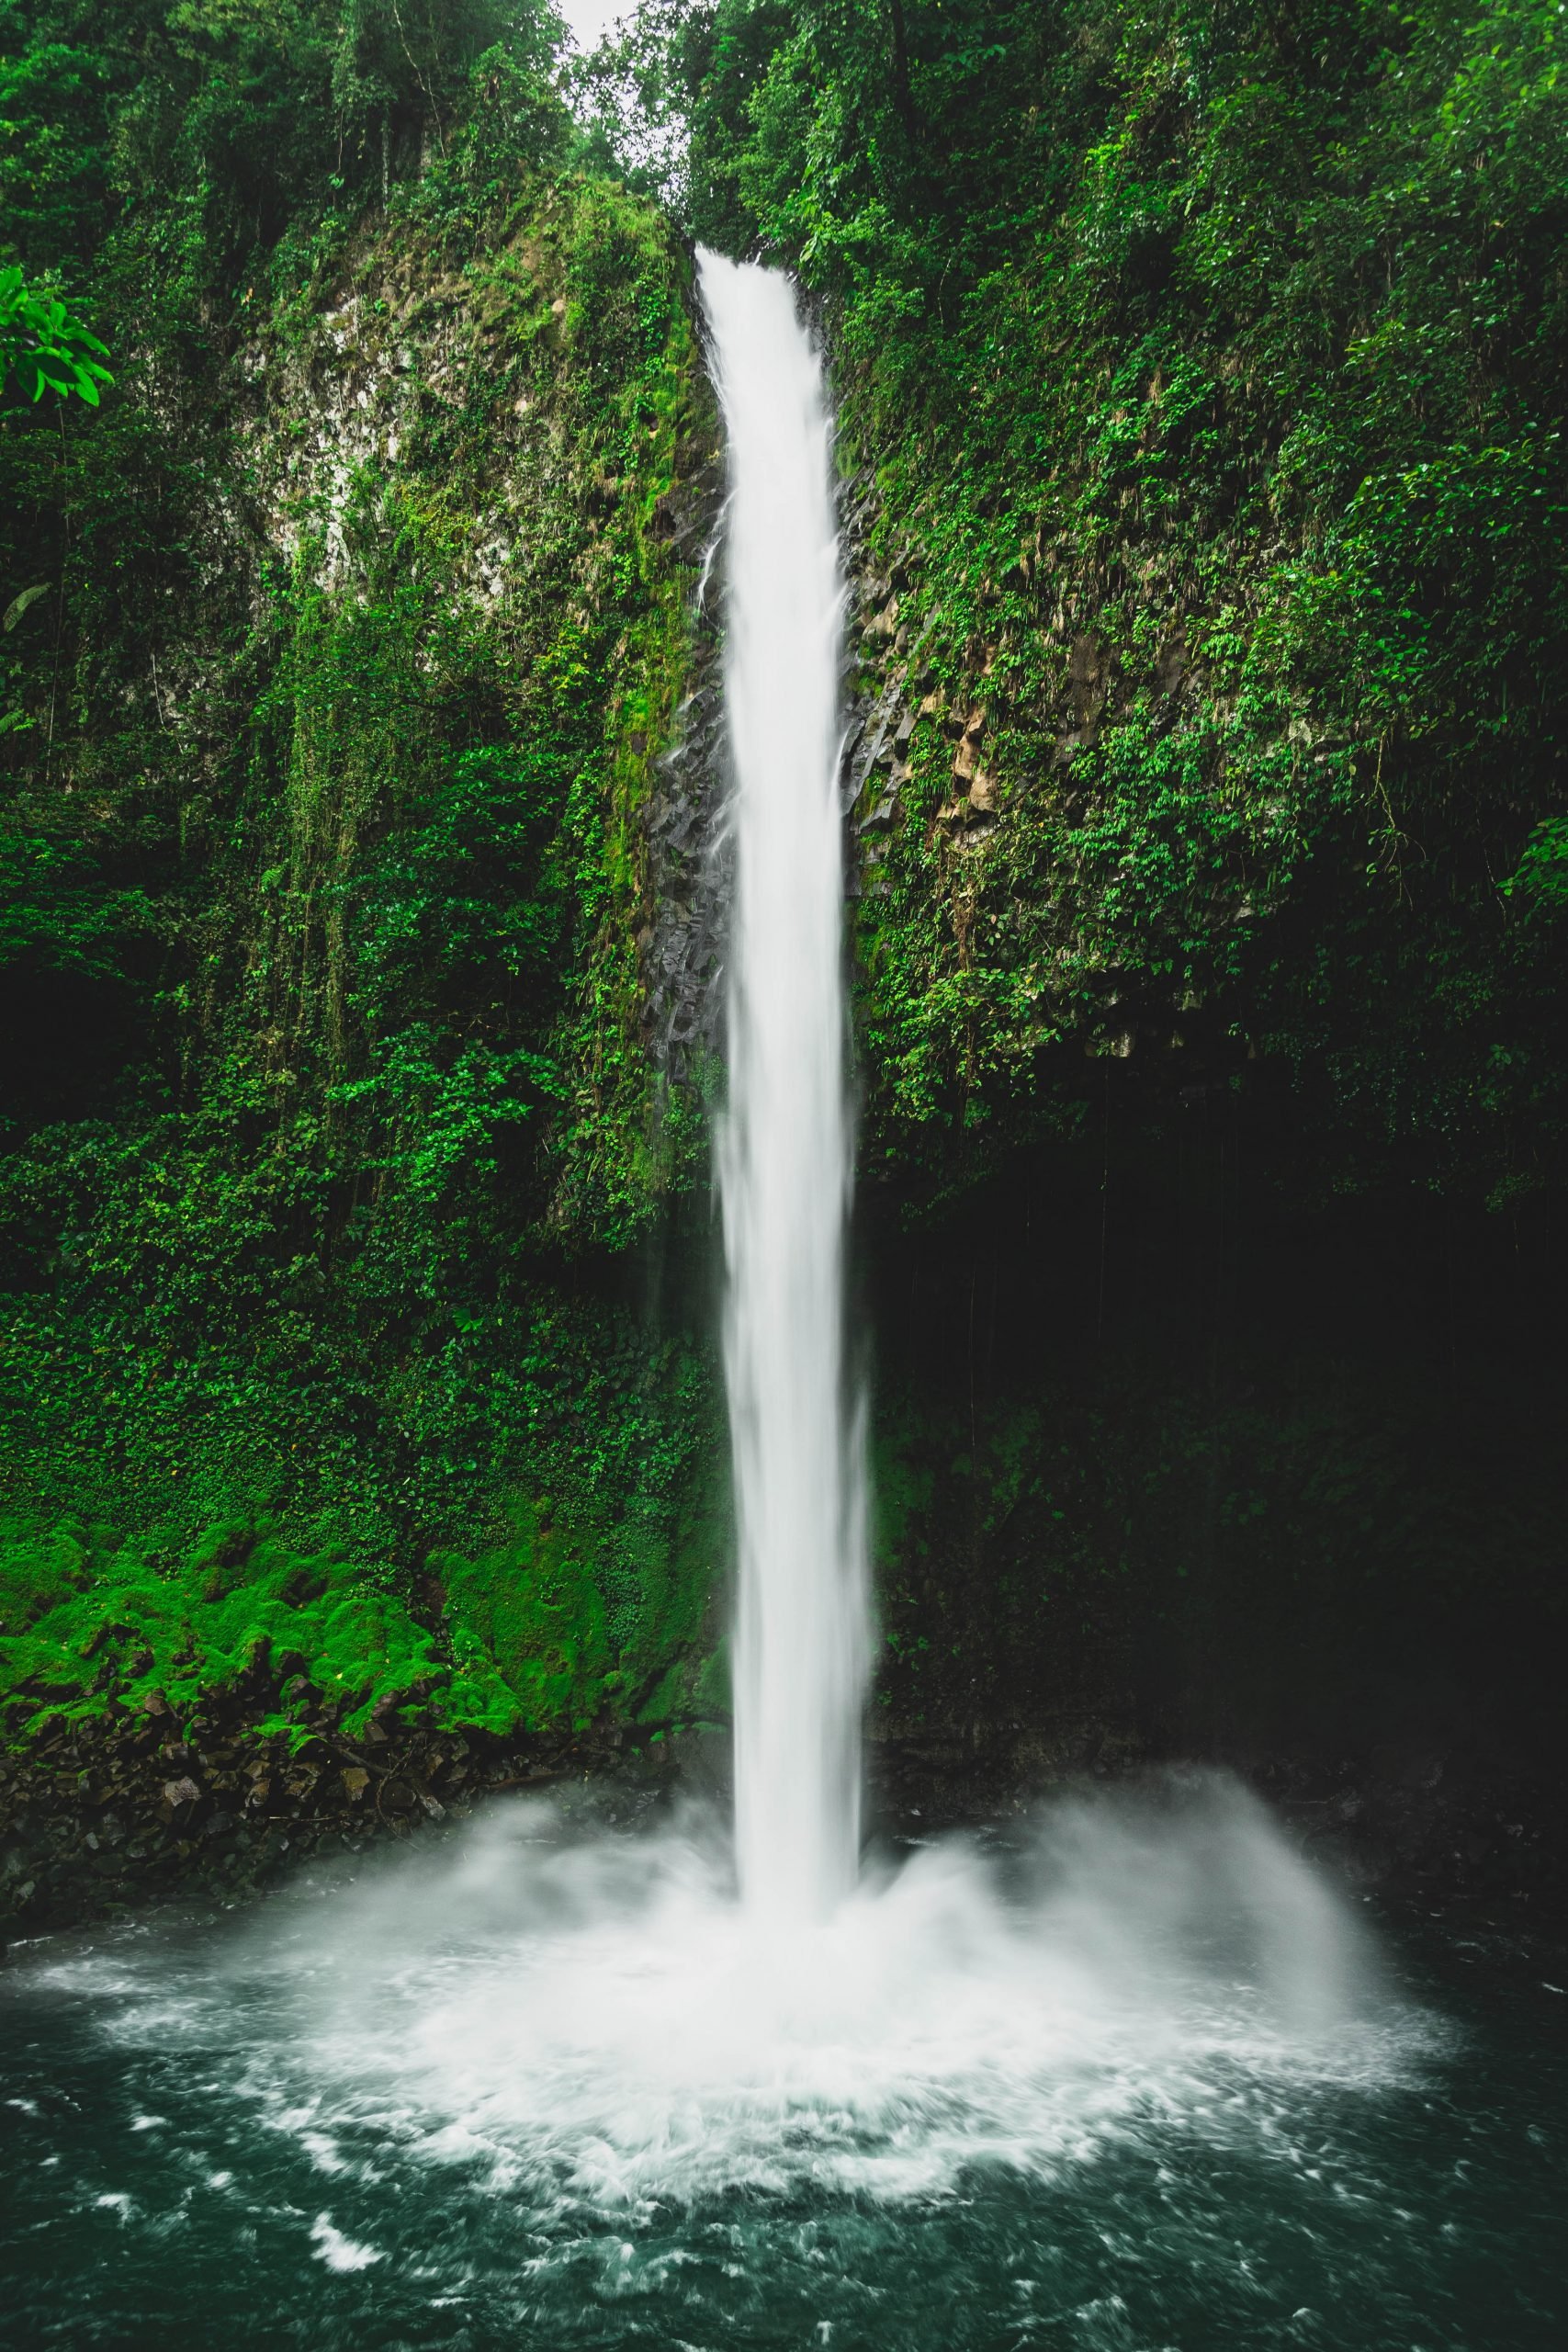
(100, 1815)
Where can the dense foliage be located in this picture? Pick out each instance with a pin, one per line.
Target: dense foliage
(1202, 369)
(1210, 358)
(43, 348)
(344, 643)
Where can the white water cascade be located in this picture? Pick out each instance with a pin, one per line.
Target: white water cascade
(785, 1149)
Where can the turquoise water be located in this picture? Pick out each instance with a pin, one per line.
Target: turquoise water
(523, 2090)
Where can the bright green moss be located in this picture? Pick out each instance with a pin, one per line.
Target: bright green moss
(89, 1617)
(530, 1610)
(523, 1642)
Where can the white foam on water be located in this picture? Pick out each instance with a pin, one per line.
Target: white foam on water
(338, 2252)
(596, 2023)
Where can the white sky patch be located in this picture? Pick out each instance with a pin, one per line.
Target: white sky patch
(336, 2251)
(587, 20)
(656, 150)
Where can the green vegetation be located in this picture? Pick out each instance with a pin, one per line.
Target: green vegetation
(1205, 362)
(523, 1639)
(44, 349)
(1211, 361)
(327, 740)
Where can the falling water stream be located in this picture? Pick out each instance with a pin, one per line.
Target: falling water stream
(1133, 2077)
(784, 1152)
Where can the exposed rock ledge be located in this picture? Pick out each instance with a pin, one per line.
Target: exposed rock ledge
(126, 1809)
(102, 1817)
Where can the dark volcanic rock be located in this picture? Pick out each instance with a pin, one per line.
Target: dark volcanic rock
(97, 1818)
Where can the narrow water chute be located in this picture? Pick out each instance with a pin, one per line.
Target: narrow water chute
(785, 1146)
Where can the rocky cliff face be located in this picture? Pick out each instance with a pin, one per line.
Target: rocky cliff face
(364, 784)
(377, 831)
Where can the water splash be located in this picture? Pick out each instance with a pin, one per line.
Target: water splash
(588, 2023)
(786, 1147)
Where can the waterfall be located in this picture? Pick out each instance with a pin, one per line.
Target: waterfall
(786, 1145)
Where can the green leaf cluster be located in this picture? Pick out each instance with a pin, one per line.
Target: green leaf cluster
(44, 349)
